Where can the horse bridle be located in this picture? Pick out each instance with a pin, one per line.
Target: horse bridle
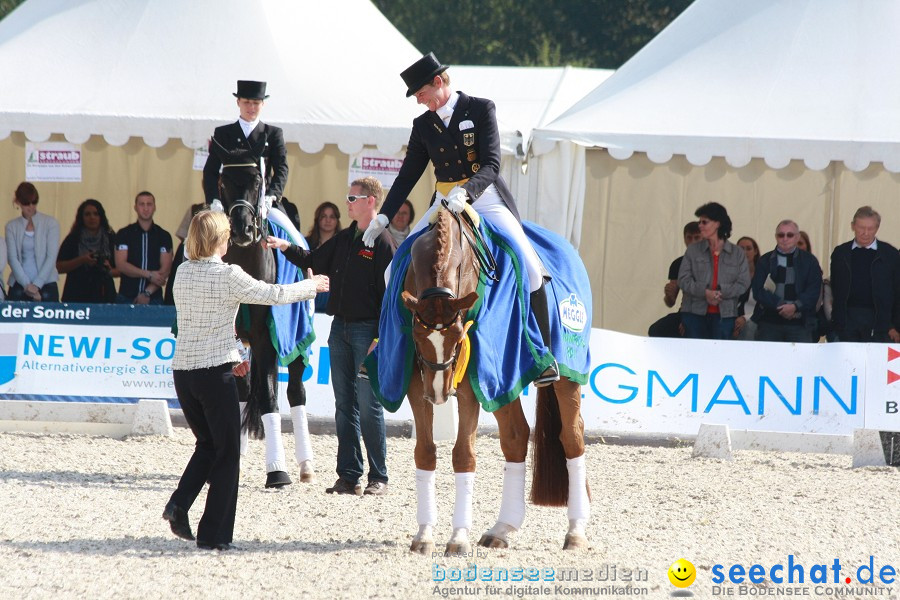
(438, 292)
(255, 211)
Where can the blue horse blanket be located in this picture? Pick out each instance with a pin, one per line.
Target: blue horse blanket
(290, 325)
(507, 351)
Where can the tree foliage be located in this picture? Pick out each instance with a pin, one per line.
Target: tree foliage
(588, 33)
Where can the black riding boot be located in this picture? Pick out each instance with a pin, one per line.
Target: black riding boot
(541, 313)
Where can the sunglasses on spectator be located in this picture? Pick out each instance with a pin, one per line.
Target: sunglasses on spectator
(704, 221)
(21, 203)
(785, 234)
(355, 198)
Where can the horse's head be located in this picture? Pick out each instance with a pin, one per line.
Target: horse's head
(239, 187)
(438, 334)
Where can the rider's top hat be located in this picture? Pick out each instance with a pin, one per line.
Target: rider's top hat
(252, 90)
(421, 72)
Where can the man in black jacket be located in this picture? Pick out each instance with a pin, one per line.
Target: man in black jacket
(458, 134)
(865, 282)
(248, 133)
(357, 283)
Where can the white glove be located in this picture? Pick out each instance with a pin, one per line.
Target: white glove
(268, 201)
(216, 206)
(378, 224)
(457, 199)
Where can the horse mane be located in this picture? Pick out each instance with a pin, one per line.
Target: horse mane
(443, 240)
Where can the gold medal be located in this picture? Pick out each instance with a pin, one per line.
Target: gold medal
(475, 167)
(471, 156)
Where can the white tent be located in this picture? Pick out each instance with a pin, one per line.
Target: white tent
(813, 80)
(164, 69)
(775, 108)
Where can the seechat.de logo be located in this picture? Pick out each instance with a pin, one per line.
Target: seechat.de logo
(572, 313)
(9, 349)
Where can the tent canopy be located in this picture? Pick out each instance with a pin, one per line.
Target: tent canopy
(526, 97)
(773, 79)
(161, 69)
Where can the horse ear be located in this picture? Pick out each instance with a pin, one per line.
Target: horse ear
(464, 303)
(411, 302)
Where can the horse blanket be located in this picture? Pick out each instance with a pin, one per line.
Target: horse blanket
(507, 352)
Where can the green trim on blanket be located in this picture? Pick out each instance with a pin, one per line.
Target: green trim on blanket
(491, 405)
(299, 349)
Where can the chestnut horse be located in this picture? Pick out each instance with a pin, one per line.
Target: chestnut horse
(440, 287)
(239, 190)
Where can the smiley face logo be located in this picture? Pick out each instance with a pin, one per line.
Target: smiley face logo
(682, 573)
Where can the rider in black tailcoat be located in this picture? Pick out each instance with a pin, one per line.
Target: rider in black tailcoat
(250, 134)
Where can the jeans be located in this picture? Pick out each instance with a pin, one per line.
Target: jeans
(707, 327)
(356, 411)
(784, 332)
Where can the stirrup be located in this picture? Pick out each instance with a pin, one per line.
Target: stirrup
(549, 376)
(363, 373)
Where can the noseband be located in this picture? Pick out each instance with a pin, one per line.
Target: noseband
(438, 292)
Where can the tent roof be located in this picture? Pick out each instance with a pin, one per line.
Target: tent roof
(526, 97)
(778, 79)
(162, 69)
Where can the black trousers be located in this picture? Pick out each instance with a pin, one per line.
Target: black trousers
(209, 399)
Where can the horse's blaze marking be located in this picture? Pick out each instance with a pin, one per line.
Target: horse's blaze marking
(437, 342)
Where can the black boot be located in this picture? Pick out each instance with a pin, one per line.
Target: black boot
(539, 308)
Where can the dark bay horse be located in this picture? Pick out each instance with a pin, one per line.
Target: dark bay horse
(239, 190)
(440, 287)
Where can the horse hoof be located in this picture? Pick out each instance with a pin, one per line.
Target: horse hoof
(277, 479)
(425, 548)
(575, 542)
(460, 548)
(308, 477)
(490, 541)
(307, 472)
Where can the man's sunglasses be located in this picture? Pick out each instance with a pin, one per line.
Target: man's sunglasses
(355, 198)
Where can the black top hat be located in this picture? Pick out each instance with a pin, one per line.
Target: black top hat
(252, 90)
(421, 72)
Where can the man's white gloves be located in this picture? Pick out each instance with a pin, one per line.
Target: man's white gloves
(457, 199)
(378, 224)
(268, 201)
(216, 206)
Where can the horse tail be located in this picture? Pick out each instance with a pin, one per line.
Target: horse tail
(550, 478)
(252, 421)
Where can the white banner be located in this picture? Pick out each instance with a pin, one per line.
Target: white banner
(383, 167)
(637, 385)
(52, 161)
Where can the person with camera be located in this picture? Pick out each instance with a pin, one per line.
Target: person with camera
(87, 257)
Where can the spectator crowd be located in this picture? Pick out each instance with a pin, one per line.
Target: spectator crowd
(733, 291)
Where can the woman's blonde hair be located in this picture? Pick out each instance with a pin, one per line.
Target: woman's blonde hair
(207, 232)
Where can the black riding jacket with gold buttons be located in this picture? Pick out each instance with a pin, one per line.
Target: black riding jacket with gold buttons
(469, 147)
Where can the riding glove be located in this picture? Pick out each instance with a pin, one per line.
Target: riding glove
(456, 199)
(378, 224)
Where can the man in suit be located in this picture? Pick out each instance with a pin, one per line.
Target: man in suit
(459, 136)
(248, 133)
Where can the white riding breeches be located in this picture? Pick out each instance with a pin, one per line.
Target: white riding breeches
(490, 206)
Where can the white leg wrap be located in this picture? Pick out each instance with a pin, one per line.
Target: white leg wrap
(512, 506)
(302, 445)
(579, 508)
(426, 514)
(462, 509)
(244, 438)
(274, 444)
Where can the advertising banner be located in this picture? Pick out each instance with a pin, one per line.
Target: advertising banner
(120, 353)
(383, 167)
(52, 161)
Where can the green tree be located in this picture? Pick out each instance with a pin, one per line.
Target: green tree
(590, 33)
(6, 6)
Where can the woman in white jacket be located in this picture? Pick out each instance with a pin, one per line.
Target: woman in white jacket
(32, 243)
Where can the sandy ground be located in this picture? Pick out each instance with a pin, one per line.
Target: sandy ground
(80, 517)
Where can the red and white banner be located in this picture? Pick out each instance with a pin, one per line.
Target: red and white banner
(52, 161)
